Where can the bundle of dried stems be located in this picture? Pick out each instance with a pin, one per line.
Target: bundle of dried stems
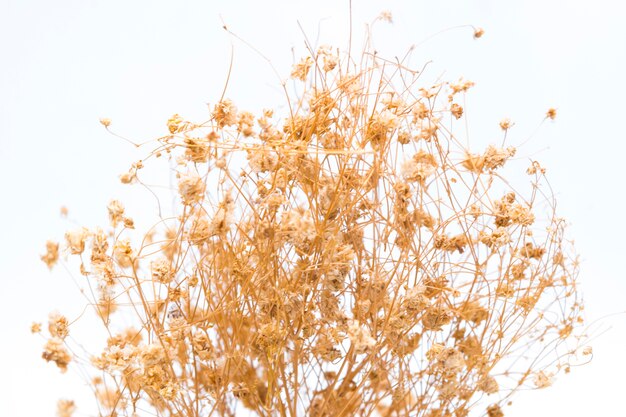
(350, 257)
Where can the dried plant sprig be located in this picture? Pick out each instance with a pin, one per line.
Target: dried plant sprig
(352, 258)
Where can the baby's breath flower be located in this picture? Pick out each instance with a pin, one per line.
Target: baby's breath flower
(478, 33)
(360, 337)
(76, 240)
(456, 110)
(505, 124)
(162, 272)
(420, 167)
(51, 256)
(301, 69)
(65, 408)
(494, 410)
(116, 212)
(58, 325)
(191, 188)
(55, 351)
(225, 113)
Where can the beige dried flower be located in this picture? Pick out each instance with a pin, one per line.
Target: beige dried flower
(494, 410)
(506, 124)
(116, 212)
(225, 113)
(420, 167)
(51, 256)
(456, 110)
(55, 351)
(161, 271)
(488, 384)
(58, 325)
(35, 328)
(301, 69)
(360, 337)
(75, 240)
(65, 408)
(191, 188)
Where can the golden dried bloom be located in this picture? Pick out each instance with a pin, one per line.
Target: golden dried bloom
(262, 161)
(106, 122)
(456, 110)
(128, 177)
(116, 212)
(191, 188)
(161, 271)
(496, 157)
(330, 60)
(301, 69)
(551, 113)
(505, 124)
(51, 256)
(196, 149)
(494, 410)
(76, 240)
(58, 325)
(451, 360)
(420, 167)
(55, 351)
(123, 253)
(360, 337)
(35, 328)
(175, 124)
(299, 226)
(225, 113)
(202, 345)
(461, 86)
(473, 312)
(531, 251)
(478, 33)
(65, 408)
(488, 384)
(64, 211)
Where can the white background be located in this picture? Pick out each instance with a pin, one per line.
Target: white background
(64, 64)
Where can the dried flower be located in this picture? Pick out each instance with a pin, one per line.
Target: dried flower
(301, 69)
(51, 256)
(65, 408)
(55, 351)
